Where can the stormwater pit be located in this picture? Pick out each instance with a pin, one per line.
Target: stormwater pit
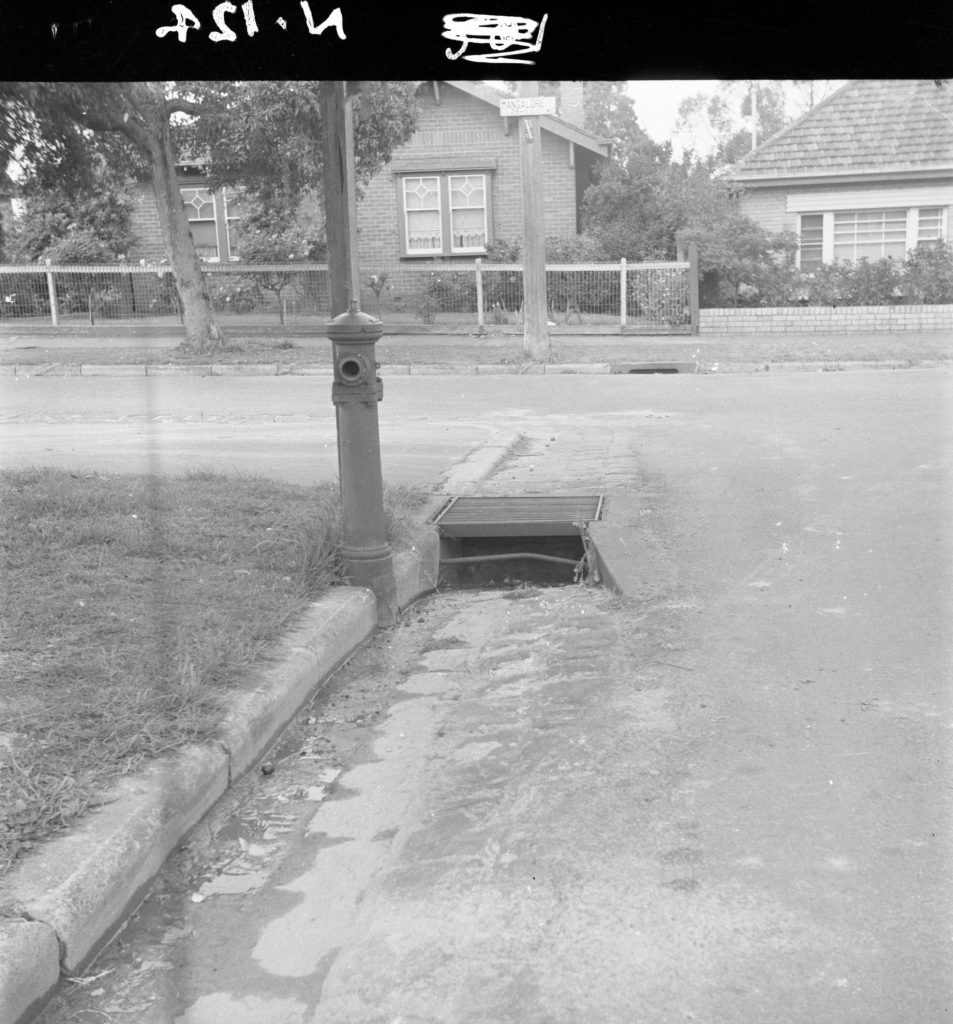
(654, 367)
(510, 541)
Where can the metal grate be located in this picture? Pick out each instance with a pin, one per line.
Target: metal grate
(522, 516)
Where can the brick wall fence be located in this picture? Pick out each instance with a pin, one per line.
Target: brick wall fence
(825, 320)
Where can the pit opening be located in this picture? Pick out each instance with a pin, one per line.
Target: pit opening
(513, 540)
(506, 562)
(655, 366)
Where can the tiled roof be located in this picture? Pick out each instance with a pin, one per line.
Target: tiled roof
(885, 125)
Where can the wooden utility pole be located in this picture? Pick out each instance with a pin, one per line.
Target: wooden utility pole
(754, 115)
(535, 311)
(340, 203)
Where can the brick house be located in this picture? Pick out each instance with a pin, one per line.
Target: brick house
(867, 173)
(455, 186)
(452, 189)
(211, 218)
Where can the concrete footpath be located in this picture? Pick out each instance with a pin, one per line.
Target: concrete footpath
(60, 906)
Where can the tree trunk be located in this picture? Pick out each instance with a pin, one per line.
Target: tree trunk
(202, 333)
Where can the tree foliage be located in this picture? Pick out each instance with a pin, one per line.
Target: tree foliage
(725, 117)
(72, 130)
(71, 222)
(643, 197)
(738, 259)
(265, 137)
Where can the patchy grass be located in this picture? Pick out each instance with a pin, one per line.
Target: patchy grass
(130, 606)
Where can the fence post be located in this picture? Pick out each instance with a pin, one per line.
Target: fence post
(693, 286)
(623, 297)
(51, 288)
(479, 291)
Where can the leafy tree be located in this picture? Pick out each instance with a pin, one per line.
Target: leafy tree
(270, 238)
(610, 113)
(70, 225)
(636, 204)
(131, 125)
(719, 115)
(266, 136)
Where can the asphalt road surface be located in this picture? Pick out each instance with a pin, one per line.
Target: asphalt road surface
(781, 727)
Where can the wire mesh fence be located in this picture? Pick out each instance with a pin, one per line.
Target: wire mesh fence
(259, 293)
(650, 295)
(461, 293)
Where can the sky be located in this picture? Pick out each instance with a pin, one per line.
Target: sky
(656, 105)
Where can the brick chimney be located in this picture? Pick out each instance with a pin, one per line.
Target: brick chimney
(570, 103)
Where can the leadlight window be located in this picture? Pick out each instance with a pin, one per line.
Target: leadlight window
(445, 214)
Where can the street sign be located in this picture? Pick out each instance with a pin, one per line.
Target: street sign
(528, 106)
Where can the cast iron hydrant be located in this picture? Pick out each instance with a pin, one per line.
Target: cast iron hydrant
(355, 392)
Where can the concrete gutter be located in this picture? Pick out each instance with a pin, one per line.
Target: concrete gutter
(60, 907)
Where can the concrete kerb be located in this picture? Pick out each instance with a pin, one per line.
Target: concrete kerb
(29, 968)
(443, 369)
(62, 906)
(481, 463)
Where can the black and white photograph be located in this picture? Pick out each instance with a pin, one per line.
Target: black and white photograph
(475, 550)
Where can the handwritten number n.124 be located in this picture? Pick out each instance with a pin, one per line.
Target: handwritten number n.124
(186, 20)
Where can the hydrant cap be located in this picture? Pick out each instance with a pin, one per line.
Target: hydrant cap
(355, 327)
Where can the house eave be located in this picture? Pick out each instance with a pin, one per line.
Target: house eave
(842, 177)
(554, 125)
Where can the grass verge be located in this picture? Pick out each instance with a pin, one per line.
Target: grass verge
(286, 354)
(130, 606)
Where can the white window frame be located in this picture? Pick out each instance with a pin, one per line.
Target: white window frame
(469, 250)
(913, 224)
(913, 198)
(445, 211)
(219, 218)
(889, 216)
(226, 217)
(912, 227)
(405, 214)
(824, 232)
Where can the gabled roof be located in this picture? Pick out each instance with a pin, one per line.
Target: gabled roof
(887, 128)
(556, 125)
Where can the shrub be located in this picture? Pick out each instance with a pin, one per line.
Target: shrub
(265, 237)
(87, 226)
(232, 296)
(451, 292)
(928, 273)
(502, 289)
(23, 295)
(662, 297)
(739, 263)
(502, 251)
(925, 276)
